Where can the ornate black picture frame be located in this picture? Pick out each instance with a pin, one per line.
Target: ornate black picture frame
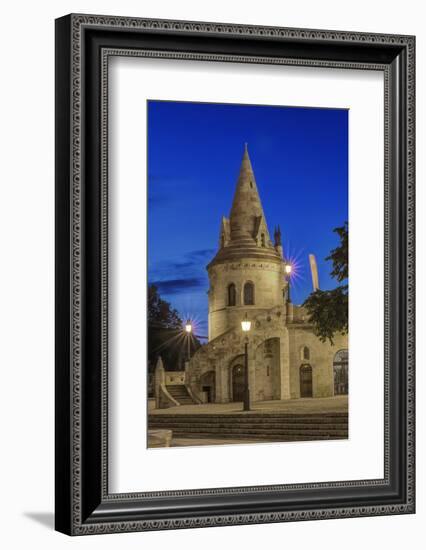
(83, 45)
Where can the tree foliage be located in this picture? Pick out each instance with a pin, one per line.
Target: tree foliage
(164, 325)
(339, 256)
(328, 309)
(166, 337)
(160, 313)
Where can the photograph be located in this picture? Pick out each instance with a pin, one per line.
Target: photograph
(248, 274)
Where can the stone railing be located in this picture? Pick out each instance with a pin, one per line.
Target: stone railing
(174, 377)
(163, 399)
(164, 379)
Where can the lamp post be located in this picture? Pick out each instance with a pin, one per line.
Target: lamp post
(246, 325)
(188, 329)
(288, 269)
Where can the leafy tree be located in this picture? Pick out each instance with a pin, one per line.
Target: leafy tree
(328, 309)
(165, 334)
(160, 313)
(340, 255)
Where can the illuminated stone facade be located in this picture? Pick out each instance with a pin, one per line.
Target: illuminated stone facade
(248, 280)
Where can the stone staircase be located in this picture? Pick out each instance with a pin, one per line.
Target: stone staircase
(180, 394)
(254, 426)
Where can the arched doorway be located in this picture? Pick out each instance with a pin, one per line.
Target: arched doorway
(340, 372)
(306, 381)
(208, 386)
(238, 383)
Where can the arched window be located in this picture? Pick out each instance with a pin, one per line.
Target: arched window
(306, 354)
(262, 239)
(249, 294)
(340, 372)
(232, 295)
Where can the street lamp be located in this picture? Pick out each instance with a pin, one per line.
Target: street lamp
(188, 329)
(288, 269)
(246, 325)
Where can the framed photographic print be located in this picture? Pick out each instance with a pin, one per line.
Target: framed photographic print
(211, 355)
(234, 274)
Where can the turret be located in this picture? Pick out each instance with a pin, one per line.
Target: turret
(277, 241)
(247, 273)
(245, 233)
(225, 233)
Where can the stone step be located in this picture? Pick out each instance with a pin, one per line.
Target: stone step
(180, 394)
(251, 414)
(260, 437)
(254, 426)
(200, 419)
(249, 419)
(247, 426)
(278, 434)
(273, 426)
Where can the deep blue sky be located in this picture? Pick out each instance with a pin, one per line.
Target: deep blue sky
(300, 160)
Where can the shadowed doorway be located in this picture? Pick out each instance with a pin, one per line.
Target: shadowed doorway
(208, 386)
(306, 381)
(238, 383)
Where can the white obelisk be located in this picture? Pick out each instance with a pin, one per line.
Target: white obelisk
(314, 272)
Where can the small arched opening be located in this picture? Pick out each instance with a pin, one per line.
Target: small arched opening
(305, 354)
(248, 294)
(232, 295)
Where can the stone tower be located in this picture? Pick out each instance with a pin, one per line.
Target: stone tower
(247, 274)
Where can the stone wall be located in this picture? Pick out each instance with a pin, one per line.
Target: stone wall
(269, 286)
(267, 371)
(321, 357)
(275, 357)
(269, 380)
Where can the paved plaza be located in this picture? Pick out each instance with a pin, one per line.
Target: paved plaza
(292, 406)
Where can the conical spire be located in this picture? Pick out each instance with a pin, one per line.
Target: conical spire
(245, 234)
(246, 211)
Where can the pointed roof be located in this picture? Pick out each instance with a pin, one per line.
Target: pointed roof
(247, 221)
(246, 206)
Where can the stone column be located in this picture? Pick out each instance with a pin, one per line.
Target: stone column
(186, 369)
(222, 390)
(159, 379)
(290, 312)
(284, 365)
(252, 369)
